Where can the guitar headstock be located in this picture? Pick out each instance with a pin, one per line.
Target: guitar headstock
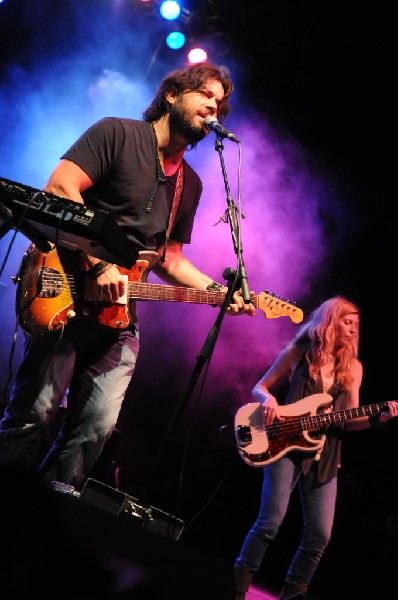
(274, 306)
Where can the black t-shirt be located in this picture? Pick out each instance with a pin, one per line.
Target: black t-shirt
(119, 156)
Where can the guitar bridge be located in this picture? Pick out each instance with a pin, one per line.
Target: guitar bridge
(49, 283)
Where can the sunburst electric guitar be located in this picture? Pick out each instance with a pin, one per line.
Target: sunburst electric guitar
(52, 292)
(259, 444)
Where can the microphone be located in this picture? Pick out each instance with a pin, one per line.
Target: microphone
(212, 124)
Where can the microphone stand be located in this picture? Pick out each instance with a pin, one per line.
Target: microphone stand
(236, 279)
(231, 212)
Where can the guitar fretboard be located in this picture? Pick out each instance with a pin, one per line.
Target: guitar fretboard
(313, 422)
(156, 291)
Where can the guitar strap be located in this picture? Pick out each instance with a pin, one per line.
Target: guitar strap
(176, 199)
(174, 205)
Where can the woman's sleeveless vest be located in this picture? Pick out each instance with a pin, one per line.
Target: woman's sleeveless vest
(301, 386)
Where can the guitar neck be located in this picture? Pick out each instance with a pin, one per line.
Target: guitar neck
(316, 421)
(271, 305)
(171, 293)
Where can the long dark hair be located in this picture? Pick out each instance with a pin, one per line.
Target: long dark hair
(191, 78)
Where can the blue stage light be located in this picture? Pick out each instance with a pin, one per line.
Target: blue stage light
(175, 40)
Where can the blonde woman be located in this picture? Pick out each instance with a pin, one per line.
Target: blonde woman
(321, 359)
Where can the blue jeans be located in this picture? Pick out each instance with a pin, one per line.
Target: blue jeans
(93, 367)
(318, 503)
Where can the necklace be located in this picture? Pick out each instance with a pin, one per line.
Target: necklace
(157, 160)
(157, 171)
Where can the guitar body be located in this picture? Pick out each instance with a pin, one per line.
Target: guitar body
(52, 291)
(260, 445)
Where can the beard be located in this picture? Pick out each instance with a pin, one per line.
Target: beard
(181, 124)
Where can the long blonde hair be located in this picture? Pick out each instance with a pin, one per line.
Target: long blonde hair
(319, 333)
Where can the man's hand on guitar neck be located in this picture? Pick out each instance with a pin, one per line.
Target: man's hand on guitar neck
(238, 306)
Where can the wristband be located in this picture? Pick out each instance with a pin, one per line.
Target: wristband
(99, 268)
(214, 287)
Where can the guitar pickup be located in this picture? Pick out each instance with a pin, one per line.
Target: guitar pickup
(124, 299)
(244, 435)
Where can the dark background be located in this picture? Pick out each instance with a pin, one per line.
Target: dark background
(322, 74)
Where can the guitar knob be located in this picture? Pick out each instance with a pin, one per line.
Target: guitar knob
(71, 314)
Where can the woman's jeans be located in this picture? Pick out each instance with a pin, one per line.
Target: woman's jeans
(93, 367)
(318, 505)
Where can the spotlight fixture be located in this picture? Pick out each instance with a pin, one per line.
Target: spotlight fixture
(170, 10)
(175, 40)
(197, 55)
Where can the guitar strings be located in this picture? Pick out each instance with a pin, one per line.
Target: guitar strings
(137, 290)
(153, 291)
(295, 425)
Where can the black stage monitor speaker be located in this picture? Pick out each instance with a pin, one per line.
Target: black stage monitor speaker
(118, 503)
